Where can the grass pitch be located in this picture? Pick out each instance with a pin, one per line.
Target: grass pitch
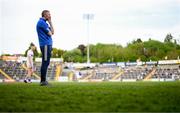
(91, 97)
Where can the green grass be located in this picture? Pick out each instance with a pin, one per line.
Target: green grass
(91, 97)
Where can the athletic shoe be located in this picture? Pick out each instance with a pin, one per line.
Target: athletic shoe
(44, 83)
(29, 81)
(25, 81)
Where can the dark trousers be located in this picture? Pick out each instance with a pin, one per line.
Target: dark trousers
(46, 55)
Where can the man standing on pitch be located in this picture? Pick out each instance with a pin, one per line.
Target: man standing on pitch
(45, 32)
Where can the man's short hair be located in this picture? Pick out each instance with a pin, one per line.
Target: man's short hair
(44, 12)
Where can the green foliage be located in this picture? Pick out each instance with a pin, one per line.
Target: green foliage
(137, 41)
(73, 56)
(6, 55)
(57, 53)
(168, 38)
(145, 50)
(82, 49)
(106, 52)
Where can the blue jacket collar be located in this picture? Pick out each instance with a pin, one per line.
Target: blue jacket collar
(43, 19)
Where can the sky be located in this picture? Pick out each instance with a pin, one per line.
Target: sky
(114, 22)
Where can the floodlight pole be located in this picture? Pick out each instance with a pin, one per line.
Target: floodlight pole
(88, 17)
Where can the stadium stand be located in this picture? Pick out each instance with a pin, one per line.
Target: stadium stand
(136, 73)
(1, 76)
(13, 69)
(50, 72)
(167, 72)
(103, 73)
(16, 71)
(100, 72)
(108, 73)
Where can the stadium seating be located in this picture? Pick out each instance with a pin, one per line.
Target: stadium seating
(100, 72)
(136, 73)
(1, 76)
(15, 70)
(103, 73)
(50, 72)
(167, 72)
